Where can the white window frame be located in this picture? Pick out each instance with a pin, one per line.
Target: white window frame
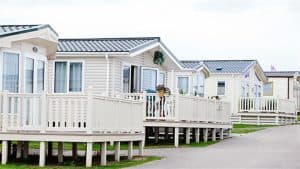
(189, 83)
(20, 63)
(68, 76)
(36, 57)
(157, 74)
(218, 87)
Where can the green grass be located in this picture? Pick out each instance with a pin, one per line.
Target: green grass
(113, 165)
(248, 128)
(298, 118)
(192, 144)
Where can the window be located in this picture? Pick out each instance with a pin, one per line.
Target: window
(162, 79)
(10, 72)
(221, 88)
(183, 84)
(149, 79)
(198, 85)
(126, 79)
(40, 76)
(268, 89)
(68, 77)
(29, 67)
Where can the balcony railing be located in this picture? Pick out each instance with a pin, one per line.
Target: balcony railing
(182, 108)
(266, 105)
(69, 112)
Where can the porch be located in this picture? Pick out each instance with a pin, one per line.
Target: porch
(266, 110)
(75, 118)
(180, 116)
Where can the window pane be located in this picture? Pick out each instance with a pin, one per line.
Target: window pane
(60, 79)
(162, 78)
(29, 75)
(183, 85)
(10, 77)
(40, 75)
(75, 82)
(221, 88)
(198, 85)
(126, 77)
(268, 89)
(149, 80)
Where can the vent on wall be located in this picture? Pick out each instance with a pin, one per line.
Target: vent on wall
(219, 68)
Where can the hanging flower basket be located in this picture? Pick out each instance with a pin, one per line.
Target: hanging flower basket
(158, 58)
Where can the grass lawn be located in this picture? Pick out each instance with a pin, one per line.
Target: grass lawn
(112, 165)
(193, 144)
(248, 128)
(298, 118)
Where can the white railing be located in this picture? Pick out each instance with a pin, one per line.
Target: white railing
(69, 112)
(182, 108)
(267, 105)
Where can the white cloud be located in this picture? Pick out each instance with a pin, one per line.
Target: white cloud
(205, 29)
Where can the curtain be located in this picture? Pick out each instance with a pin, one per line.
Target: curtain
(60, 79)
(29, 75)
(10, 77)
(183, 85)
(149, 79)
(75, 80)
(162, 79)
(40, 76)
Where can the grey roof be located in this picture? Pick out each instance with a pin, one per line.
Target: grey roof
(281, 73)
(129, 44)
(8, 30)
(221, 66)
(191, 64)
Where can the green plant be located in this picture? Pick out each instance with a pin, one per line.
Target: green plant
(158, 58)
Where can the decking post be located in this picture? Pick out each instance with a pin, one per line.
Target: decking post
(156, 134)
(222, 134)
(60, 152)
(176, 136)
(74, 151)
(187, 135)
(4, 152)
(103, 153)
(205, 134)
(5, 111)
(89, 109)
(214, 134)
(26, 149)
(197, 135)
(276, 119)
(43, 112)
(42, 159)
(19, 149)
(144, 99)
(141, 148)
(117, 151)
(89, 154)
(258, 120)
(130, 150)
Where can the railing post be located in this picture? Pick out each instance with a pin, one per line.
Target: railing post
(176, 116)
(144, 99)
(278, 105)
(43, 112)
(5, 111)
(89, 119)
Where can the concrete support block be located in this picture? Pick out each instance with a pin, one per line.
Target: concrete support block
(60, 152)
(4, 152)
(117, 151)
(42, 160)
(176, 136)
(222, 134)
(141, 148)
(187, 135)
(197, 135)
(130, 150)
(205, 134)
(214, 134)
(19, 149)
(26, 149)
(103, 153)
(89, 154)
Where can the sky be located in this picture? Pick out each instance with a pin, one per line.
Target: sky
(266, 30)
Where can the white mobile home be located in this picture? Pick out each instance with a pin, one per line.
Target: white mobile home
(285, 85)
(241, 83)
(98, 91)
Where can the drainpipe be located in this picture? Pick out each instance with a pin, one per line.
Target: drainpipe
(288, 90)
(107, 74)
